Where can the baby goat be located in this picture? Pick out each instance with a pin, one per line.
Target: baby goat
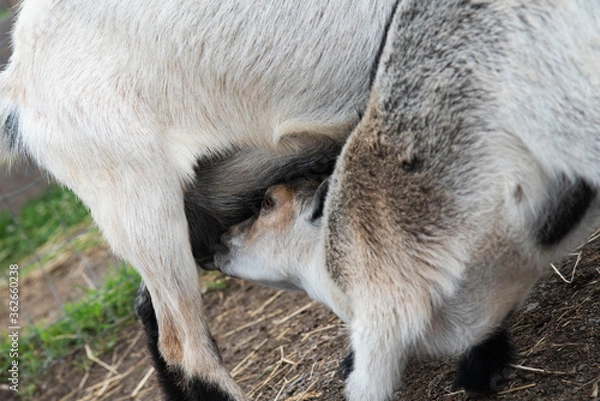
(282, 247)
(120, 100)
(476, 164)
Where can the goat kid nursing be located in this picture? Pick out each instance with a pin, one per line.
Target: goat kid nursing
(169, 118)
(476, 164)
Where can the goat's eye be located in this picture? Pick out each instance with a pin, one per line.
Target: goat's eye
(267, 203)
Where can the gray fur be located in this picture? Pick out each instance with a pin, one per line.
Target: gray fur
(11, 132)
(482, 131)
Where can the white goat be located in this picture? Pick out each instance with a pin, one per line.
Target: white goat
(118, 100)
(476, 164)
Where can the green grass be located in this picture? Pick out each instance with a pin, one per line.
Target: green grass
(102, 312)
(38, 222)
(97, 317)
(40, 231)
(4, 14)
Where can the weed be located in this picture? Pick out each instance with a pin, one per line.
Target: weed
(100, 312)
(38, 221)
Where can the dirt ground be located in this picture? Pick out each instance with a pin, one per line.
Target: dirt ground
(283, 346)
(69, 274)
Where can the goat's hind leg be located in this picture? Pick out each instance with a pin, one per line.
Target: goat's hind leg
(482, 367)
(136, 198)
(169, 378)
(382, 340)
(166, 376)
(144, 221)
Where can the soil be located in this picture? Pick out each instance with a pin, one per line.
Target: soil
(283, 346)
(66, 278)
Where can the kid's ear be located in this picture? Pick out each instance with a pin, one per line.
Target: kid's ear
(318, 202)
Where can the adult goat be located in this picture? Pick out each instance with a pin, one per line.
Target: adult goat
(119, 100)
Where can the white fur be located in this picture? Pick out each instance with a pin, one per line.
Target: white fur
(117, 100)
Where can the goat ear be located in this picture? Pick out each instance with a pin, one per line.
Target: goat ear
(318, 202)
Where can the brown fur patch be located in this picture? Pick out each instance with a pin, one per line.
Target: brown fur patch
(386, 198)
(279, 217)
(170, 344)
